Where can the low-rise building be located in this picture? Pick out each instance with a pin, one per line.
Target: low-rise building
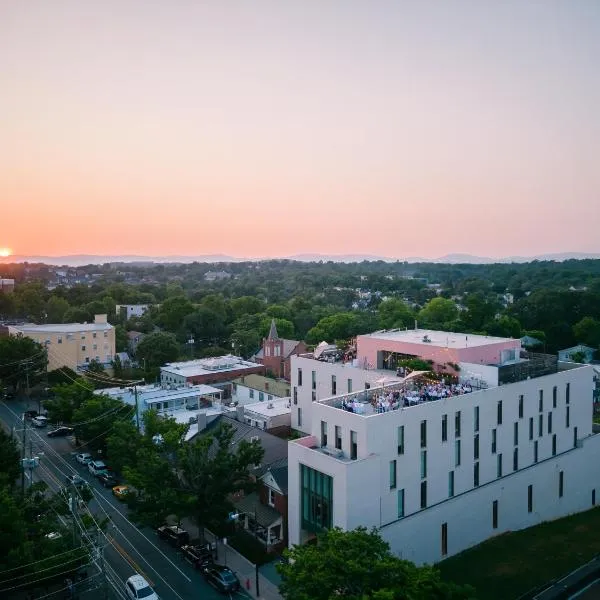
(272, 415)
(133, 340)
(276, 352)
(581, 350)
(132, 310)
(7, 286)
(252, 388)
(72, 345)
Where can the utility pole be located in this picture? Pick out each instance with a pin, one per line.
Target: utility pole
(137, 410)
(23, 443)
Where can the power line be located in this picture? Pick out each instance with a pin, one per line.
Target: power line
(41, 579)
(39, 561)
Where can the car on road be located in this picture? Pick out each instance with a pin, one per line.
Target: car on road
(30, 414)
(60, 432)
(76, 480)
(176, 536)
(96, 467)
(136, 588)
(83, 458)
(121, 491)
(39, 421)
(199, 556)
(222, 578)
(108, 479)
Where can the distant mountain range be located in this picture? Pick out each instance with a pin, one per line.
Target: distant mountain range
(77, 260)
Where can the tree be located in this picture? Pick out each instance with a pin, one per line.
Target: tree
(172, 312)
(205, 325)
(95, 366)
(157, 349)
(212, 468)
(285, 328)
(22, 359)
(340, 326)
(587, 331)
(66, 399)
(56, 307)
(358, 565)
(246, 305)
(121, 339)
(395, 313)
(10, 464)
(505, 326)
(437, 312)
(30, 298)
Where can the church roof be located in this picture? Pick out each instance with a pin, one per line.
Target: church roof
(273, 335)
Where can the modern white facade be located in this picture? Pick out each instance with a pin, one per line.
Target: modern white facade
(132, 310)
(267, 415)
(442, 475)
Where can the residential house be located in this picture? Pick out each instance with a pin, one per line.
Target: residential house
(272, 415)
(133, 340)
(581, 349)
(7, 286)
(250, 388)
(132, 310)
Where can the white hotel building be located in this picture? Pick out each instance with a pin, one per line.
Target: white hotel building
(439, 476)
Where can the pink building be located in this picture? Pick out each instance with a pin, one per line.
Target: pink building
(383, 350)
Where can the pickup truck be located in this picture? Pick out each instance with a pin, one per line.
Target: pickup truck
(199, 556)
(174, 535)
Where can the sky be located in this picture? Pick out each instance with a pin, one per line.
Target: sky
(263, 128)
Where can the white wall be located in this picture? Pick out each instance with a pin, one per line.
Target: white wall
(364, 496)
(246, 395)
(473, 372)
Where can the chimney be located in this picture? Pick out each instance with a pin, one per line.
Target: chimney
(100, 319)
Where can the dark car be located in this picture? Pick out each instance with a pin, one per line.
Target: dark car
(30, 414)
(200, 556)
(76, 481)
(174, 535)
(108, 479)
(60, 432)
(222, 578)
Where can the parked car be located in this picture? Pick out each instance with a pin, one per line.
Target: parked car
(136, 587)
(39, 421)
(199, 556)
(30, 414)
(84, 458)
(108, 479)
(222, 578)
(60, 432)
(120, 491)
(76, 480)
(176, 536)
(96, 467)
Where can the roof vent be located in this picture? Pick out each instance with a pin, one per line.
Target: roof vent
(426, 339)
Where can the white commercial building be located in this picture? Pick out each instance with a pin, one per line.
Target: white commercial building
(269, 415)
(439, 465)
(132, 310)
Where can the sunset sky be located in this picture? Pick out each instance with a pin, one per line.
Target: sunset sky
(269, 128)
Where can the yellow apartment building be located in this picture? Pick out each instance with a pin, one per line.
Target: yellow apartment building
(72, 345)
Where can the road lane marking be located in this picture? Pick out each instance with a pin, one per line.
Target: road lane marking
(128, 558)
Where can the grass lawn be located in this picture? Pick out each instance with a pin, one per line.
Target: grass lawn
(511, 564)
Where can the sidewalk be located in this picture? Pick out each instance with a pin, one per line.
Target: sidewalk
(241, 566)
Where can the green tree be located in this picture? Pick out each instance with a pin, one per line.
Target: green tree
(395, 313)
(31, 300)
(157, 349)
(95, 366)
(121, 339)
(122, 444)
(340, 326)
(358, 565)
(66, 399)
(76, 314)
(285, 328)
(10, 464)
(505, 326)
(205, 325)
(587, 331)
(246, 305)
(22, 359)
(56, 307)
(172, 312)
(437, 312)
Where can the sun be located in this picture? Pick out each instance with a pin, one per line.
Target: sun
(4, 252)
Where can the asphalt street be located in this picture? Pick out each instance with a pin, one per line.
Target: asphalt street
(127, 549)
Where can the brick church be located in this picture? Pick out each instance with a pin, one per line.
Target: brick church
(276, 352)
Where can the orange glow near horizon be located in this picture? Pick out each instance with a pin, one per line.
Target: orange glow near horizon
(5, 252)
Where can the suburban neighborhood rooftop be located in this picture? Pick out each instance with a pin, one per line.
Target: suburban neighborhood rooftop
(428, 337)
(205, 366)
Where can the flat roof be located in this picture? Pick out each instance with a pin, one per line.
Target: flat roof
(208, 366)
(440, 339)
(62, 327)
(280, 406)
(152, 393)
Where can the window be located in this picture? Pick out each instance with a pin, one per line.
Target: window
(323, 433)
(392, 474)
(476, 474)
(423, 434)
(333, 385)
(353, 445)
(529, 498)
(367, 385)
(94, 335)
(554, 445)
(476, 419)
(575, 437)
(401, 439)
(521, 406)
(400, 503)
(516, 459)
(476, 447)
(251, 393)
(271, 497)
(535, 451)
(261, 396)
(82, 336)
(561, 483)
(444, 428)
(295, 395)
(349, 386)
(95, 347)
(316, 500)
(568, 417)
(541, 401)
(516, 433)
(457, 424)
(495, 514)
(59, 340)
(554, 396)
(313, 377)
(299, 377)
(568, 394)
(299, 417)
(550, 422)
(106, 334)
(313, 396)
(494, 441)
(83, 350)
(423, 464)
(450, 484)
(457, 453)
(423, 494)
(499, 465)
(444, 539)
(338, 437)
(499, 412)
(540, 425)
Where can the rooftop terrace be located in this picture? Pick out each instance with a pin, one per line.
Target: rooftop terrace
(428, 337)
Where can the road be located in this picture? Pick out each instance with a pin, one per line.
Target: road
(127, 548)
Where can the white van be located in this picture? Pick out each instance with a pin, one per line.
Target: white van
(39, 421)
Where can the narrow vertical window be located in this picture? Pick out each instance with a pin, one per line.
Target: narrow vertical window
(476, 419)
(499, 410)
(516, 433)
(476, 447)
(299, 417)
(476, 474)
(457, 453)
(535, 451)
(423, 464)
(554, 445)
(568, 417)
(353, 445)
(494, 441)
(594, 497)
(444, 539)
(561, 483)
(444, 428)
(554, 396)
(457, 424)
(392, 474)
(495, 514)
(423, 494)
(521, 406)
(299, 377)
(323, 433)
(423, 434)
(574, 437)
(499, 465)
(530, 428)
(550, 422)
(349, 386)
(400, 503)
(313, 377)
(338, 437)
(540, 425)
(333, 385)
(295, 395)
(516, 459)
(541, 401)
(530, 498)
(450, 484)
(568, 393)
(401, 439)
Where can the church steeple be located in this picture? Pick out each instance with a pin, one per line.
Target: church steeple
(273, 335)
